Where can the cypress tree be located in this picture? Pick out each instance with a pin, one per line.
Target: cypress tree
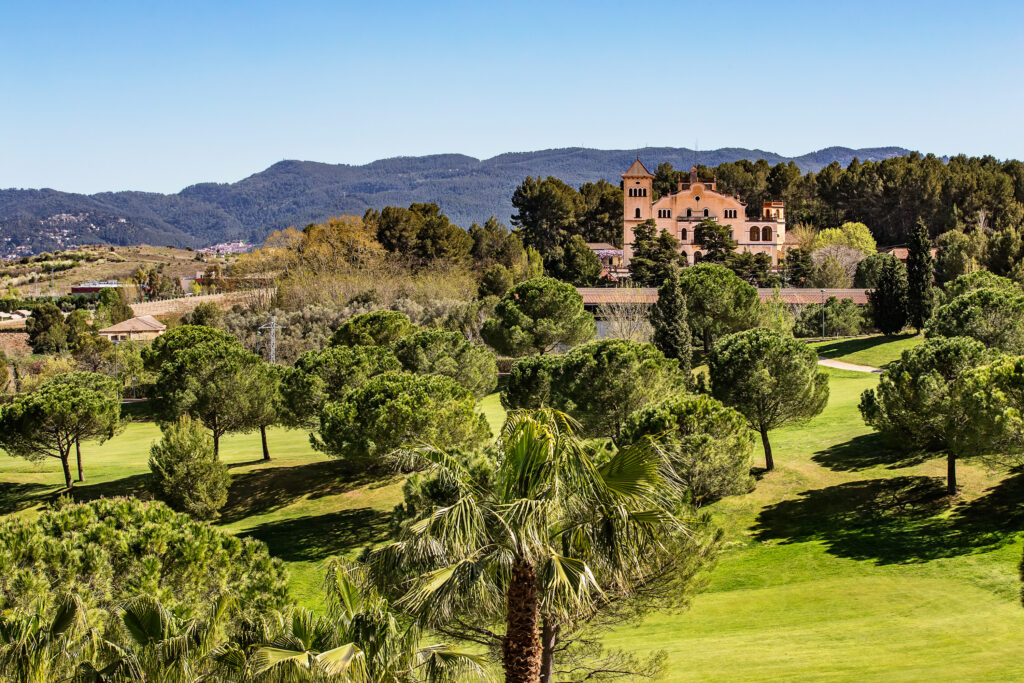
(668, 318)
(889, 298)
(919, 276)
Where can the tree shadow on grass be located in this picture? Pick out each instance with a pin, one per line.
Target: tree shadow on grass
(899, 520)
(845, 347)
(136, 486)
(267, 489)
(867, 451)
(315, 538)
(15, 497)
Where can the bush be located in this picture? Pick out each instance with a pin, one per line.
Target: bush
(842, 319)
(708, 444)
(114, 548)
(379, 328)
(186, 474)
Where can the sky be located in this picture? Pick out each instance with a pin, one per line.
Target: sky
(158, 95)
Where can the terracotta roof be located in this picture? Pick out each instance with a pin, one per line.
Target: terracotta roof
(602, 246)
(595, 296)
(144, 323)
(637, 170)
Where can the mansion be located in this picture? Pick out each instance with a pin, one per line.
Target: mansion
(693, 201)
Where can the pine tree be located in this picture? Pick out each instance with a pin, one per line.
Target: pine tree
(919, 276)
(668, 318)
(889, 298)
(655, 252)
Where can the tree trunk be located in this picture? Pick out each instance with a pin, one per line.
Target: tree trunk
(548, 641)
(769, 462)
(78, 454)
(263, 436)
(216, 439)
(521, 649)
(951, 473)
(64, 461)
(707, 341)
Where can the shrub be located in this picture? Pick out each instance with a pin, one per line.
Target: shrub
(379, 328)
(186, 474)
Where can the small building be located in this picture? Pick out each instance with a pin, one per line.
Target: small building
(902, 252)
(94, 287)
(142, 328)
(610, 257)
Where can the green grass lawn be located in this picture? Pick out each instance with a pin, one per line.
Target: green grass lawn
(849, 563)
(846, 563)
(874, 351)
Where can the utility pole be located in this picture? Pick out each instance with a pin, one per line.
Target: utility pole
(273, 327)
(823, 315)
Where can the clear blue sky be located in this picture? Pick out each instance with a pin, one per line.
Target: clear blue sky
(158, 95)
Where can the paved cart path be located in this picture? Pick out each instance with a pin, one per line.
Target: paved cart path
(843, 365)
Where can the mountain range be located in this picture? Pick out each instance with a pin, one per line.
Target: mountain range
(301, 192)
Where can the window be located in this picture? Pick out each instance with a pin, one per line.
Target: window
(638, 212)
(706, 214)
(644, 191)
(696, 256)
(683, 234)
(766, 234)
(686, 258)
(753, 233)
(664, 213)
(689, 213)
(697, 198)
(730, 213)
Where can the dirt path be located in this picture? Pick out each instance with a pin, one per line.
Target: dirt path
(843, 365)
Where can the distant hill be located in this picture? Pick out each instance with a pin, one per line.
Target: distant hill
(301, 192)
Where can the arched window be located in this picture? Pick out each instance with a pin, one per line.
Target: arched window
(638, 212)
(696, 256)
(753, 234)
(686, 258)
(683, 235)
(705, 213)
(644, 192)
(689, 213)
(766, 234)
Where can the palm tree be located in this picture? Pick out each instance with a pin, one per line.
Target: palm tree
(158, 647)
(36, 649)
(362, 639)
(533, 546)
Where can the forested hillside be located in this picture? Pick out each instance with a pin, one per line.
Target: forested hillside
(299, 192)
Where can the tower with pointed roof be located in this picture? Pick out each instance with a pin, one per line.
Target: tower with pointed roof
(637, 193)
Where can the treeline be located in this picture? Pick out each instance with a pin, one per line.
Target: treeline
(889, 196)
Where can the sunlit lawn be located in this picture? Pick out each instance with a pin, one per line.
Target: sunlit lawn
(848, 563)
(874, 351)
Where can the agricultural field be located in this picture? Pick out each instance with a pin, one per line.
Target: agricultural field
(103, 263)
(846, 563)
